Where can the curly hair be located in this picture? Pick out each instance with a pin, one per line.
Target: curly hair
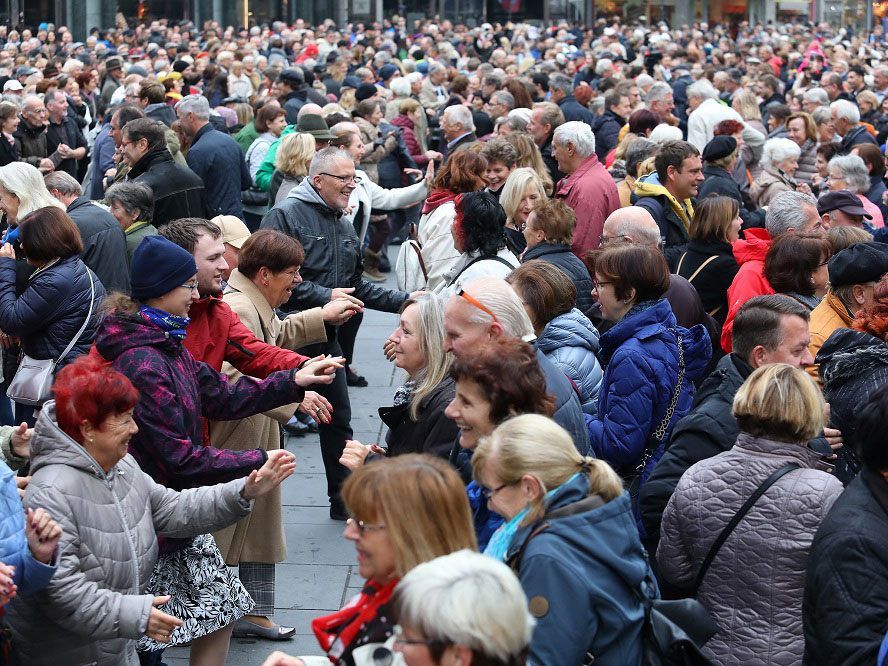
(727, 127)
(874, 320)
(508, 373)
(463, 172)
(480, 223)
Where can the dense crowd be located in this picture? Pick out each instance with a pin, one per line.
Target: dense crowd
(642, 301)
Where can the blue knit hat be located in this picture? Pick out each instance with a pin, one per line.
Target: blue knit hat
(158, 267)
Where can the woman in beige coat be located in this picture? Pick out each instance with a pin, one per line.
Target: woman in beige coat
(268, 267)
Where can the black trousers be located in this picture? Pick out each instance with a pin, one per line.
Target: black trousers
(347, 334)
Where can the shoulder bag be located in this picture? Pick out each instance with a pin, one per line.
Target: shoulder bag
(410, 267)
(33, 380)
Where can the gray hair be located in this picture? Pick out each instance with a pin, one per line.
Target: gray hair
(518, 119)
(787, 211)
(643, 80)
(324, 159)
(777, 150)
(658, 92)
(132, 196)
(196, 104)
(62, 181)
(847, 110)
(579, 134)
(821, 115)
(498, 296)
(503, 97)
(816, 96)
(468, 599)
(436, 67)
(702, 89)
(462, 115)
(562, 83)
(604, 65)
(854, 172)
(664, 132)
(431, 337)
(400, 86)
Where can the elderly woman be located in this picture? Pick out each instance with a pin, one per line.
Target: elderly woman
(796, 265)
(778, 409)
(780, 159)
(650, 361)
(132, 205)
(416, 422)
(268, 267)
(849, 172)
(588, 561)
(548, 233)
(522, 192)
(143, 338)
(462, 173)
(367, 116)
(564, 334)
(57, 314)
(291, 164)
(390, 542)
(410, 120)
(111, 514)
(463, 607)
(800, 128)
(479, 236)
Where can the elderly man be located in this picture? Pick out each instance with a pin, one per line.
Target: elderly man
(561, 89)
(846, 121)
(458, 128)
(813, 99)
(433, 94)
(545, 118)
(705, 112)
(214, 156)
(661, 101)
(104, 244)
(31, 135)
(588, 187)
(332, 269)
(487, 309)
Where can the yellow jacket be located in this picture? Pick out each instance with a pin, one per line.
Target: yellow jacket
(831, 314)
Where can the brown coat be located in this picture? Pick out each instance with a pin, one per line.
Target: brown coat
(259, 537)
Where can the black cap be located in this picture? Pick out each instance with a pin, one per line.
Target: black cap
(365, 91)
(719, 147)
(844, 201)
(858, 263)
(292, 75)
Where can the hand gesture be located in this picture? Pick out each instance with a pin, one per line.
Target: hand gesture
(833, 435)
(354, 455)
(803, 188)
(7, 583)
(6, 341)
(43, 534)
(21, 441)
(7, 251)
(21, 482)
(339, 311)
(318, 370)
(161, 625)
(45, 165)
(279, 466)
(388, 348)
(414, 172)
(433, 155)
(317, 407)
(345, 292)
(278, 658)
(418, 292)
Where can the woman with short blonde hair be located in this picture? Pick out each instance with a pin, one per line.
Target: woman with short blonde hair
(778, 409)
(589, 556)
(523, 192)
(292, 160)
(529, 156)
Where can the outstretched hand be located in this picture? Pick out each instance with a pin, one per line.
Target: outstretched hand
(279, 466)
(317, 407)
(319, 370)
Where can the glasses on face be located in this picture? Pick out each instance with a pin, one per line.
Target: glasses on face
(488, 493)
(345, 180)
(401, 641)
(191, 286)
(596, 285)
(478, 304)
(363, 527)
(604, 240)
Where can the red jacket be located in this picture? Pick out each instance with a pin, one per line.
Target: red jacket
(750, 280)
(592, 193)
(408, 133)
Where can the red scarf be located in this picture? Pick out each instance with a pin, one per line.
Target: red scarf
(337, 631)
(436, 198)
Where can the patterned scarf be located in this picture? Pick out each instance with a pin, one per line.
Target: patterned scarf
(172, 325)
(403, 393)
(338, 631)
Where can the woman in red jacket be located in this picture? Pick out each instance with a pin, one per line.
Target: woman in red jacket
(408, 119)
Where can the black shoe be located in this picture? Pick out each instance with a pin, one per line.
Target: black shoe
(385, 266)
(296, 429)
(338, 512)
(352, 378)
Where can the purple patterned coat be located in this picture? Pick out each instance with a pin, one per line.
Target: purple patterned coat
(175, 391)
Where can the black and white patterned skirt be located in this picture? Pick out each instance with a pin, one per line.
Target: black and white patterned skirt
(204, 592)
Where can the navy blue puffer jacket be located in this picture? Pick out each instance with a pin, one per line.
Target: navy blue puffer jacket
(52, 308)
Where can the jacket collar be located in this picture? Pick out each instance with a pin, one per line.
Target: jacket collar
(641, 325)
(78, 202)
(545, 248)
(799, 452)
(149, 159)
(567, 183)
(238, 282)
(837, 305)
(206, 129)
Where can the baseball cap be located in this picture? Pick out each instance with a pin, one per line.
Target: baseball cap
(12, 84)
(844, 201)
(234, 231)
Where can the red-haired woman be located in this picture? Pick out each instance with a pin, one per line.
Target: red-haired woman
(111, 513)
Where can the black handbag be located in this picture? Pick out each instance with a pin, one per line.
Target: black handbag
(254, 197)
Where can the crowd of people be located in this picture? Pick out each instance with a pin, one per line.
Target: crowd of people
(640, 275)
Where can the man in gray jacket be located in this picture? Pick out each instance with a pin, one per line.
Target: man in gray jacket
(333, 268)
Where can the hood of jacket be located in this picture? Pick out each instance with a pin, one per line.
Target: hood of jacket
(752, 248)
(402, 121)
(571, 329)
(306, 192)
(649, 186)
(120, 332)
(437, 198)
(847, 354)
(149, 159)
(50, 445)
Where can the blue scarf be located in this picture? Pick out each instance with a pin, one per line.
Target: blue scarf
(170, 324)
(498, 546)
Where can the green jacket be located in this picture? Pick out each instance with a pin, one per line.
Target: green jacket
(246, 136)
(266, 169)
(135, 234)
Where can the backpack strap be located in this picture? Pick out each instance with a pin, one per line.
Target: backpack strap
(478, 259)
(702, 266)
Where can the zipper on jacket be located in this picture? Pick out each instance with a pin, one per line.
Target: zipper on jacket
(240, 348)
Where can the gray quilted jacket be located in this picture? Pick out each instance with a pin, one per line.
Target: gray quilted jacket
(95, 606)
(754, 587)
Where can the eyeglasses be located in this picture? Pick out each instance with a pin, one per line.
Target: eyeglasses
(363, 527)
(342, 179)
(604, 240)
(488, 493)
(191, 286)
(596, 285)
(400, 640)
(478, 304)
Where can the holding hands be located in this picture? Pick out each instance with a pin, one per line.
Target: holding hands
(43, 534)
(355, 454)
(318, 370)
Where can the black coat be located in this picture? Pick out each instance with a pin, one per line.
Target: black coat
(713, 280)
(219, 161)
(846, 589)
(560, 255)
(104, 244)
(672, 228)
(573, 110)
(69, 133)
(607, 128)
(9, 152)
(551, 163)
(719, 181)
(178, 191)
(432, 432)
(855, 137)
(707, 430)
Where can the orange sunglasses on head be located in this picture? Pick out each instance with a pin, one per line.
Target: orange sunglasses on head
(478, 304)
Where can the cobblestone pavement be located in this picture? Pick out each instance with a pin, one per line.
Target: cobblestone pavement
(320, 571)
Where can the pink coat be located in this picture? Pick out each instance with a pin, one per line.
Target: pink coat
(871, 208)
(592, 193)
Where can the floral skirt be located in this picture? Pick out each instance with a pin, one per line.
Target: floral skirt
(204, 593)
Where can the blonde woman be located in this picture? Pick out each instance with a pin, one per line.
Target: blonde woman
(22, 191)
(778, 409)
(529, 156)
(523, 192)
(588, 561)
(291, 164)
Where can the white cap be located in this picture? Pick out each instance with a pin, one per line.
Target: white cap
(12, 84)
